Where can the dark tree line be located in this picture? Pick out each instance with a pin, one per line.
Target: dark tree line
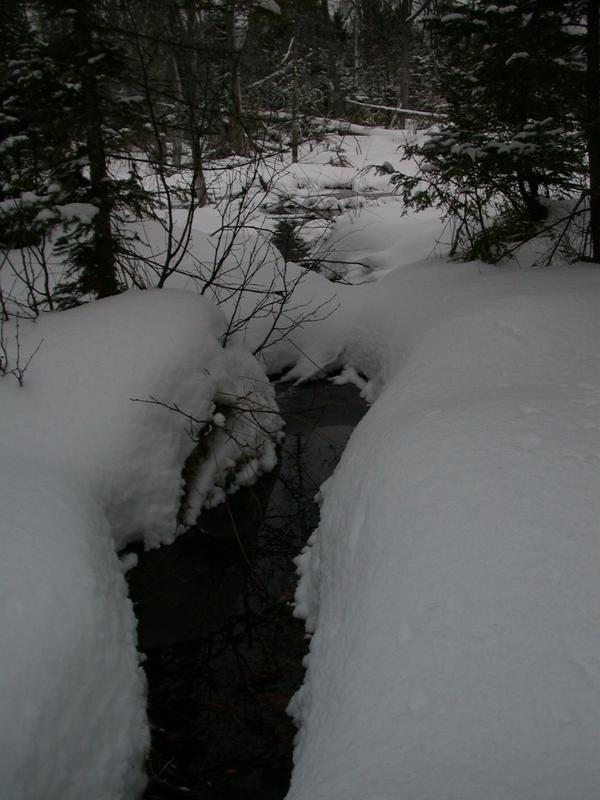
(161, 84)
(154, 84)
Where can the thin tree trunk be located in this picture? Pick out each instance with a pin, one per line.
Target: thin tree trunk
(101, 277)
(199, 179)
(355, 46)
(405, 61)
(177, 149)
(593, 121)
(295, 125)
(237, 135)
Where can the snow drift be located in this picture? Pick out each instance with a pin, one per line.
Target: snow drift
(83, 471)
(452, 585)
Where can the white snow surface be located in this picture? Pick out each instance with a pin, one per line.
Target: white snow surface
(452, 585)
(72, 695)
(451, 589)
(83, 471)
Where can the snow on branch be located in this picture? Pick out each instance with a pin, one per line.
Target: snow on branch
(409, 112)
(269, 5)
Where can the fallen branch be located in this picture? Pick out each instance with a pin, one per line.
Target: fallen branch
(408, 112)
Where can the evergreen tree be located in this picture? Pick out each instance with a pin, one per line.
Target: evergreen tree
(65, 113)
(513, 77)
(386, 54)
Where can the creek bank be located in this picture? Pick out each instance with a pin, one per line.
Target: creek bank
(223, 653)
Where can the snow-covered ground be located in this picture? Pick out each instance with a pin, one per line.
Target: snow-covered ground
(451, 588)
(85, 470)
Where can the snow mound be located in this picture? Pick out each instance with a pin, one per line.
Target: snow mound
(452, 584)
(73, 721)
(116, 397)
(93, 393)
(376, 240)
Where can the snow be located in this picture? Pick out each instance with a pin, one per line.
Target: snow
(73, 721)
(78, 212)
(85, 470)
(453, 18)
(516, 57)
(451, 587)
(269, 5)
(366, 244)
(450, 590)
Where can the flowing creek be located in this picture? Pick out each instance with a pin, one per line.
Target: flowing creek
(223, 652)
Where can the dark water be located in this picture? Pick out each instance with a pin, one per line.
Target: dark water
(223, 651)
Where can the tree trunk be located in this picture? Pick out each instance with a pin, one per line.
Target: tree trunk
(355, 46)
(593, 121)
(335, 101)
(295, 125)
(100, 277)
(199, 179)
(177, 149)
(237, 135)
(405, 61)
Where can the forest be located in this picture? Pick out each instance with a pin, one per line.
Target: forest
(299, 442)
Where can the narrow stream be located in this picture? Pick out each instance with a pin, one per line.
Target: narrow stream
(223, 653)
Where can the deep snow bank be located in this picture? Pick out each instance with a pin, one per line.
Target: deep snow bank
(72, 695)
(452, 585)
(83, 471)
